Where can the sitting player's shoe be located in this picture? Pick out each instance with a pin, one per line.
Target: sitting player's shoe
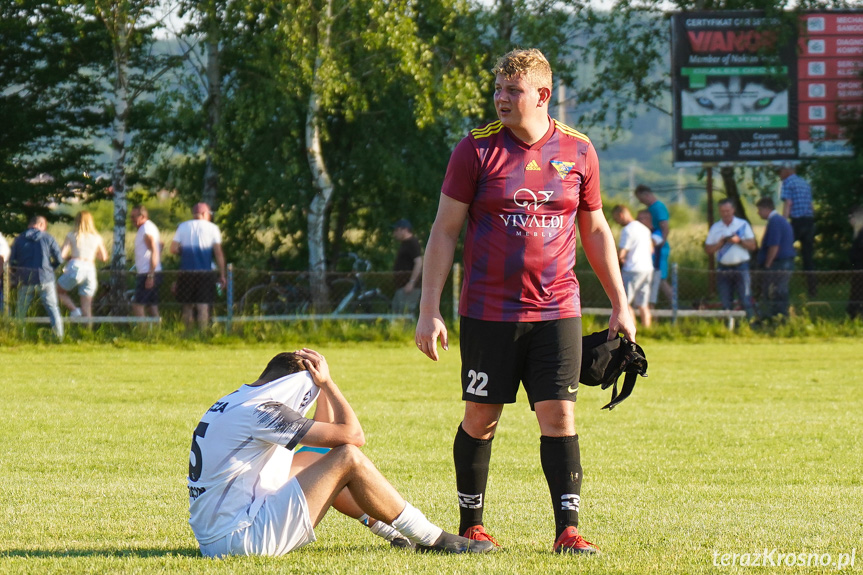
(401, 543)
(449, 543)
(478, 533)
(570, 542)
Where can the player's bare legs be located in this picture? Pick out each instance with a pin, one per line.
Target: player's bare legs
(556, 417)
(480, 419)
(347, 467)
(345, 503)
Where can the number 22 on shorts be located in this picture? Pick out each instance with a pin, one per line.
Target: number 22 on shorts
(478, 381)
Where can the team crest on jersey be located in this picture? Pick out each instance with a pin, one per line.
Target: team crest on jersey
(532, 167)
(562, 168)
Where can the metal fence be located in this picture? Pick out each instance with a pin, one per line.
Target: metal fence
(265, 295)
(249, 294)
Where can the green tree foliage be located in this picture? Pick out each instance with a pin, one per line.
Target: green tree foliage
(837, 188)
(394, 92)
(48, 61)
(135, 67)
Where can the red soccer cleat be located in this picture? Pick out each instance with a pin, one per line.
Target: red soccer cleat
(571, 542)
(478, 533)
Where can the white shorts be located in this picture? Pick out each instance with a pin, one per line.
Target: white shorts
(637, 286)
(79, 274)
(281, 525)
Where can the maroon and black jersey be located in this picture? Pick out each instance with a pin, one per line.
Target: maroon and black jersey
(519, 251)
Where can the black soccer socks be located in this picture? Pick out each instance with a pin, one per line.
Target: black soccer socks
(471, 458)
(561, 463)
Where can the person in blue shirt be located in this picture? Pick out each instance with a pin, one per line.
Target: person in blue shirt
(34, 257)
(659, 226)
(796, 195)
(776, 258)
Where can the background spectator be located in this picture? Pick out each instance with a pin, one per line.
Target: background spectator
(198, 242)
(658, 223)
(148, 264)
(83, 244)
(407, 268)
(730, 240)
(4, 258)
(855, 297)
(635, 252)
(776, 257)
(35, 255)
(796, 194)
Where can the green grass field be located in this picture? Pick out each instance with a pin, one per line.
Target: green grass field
(729, 447)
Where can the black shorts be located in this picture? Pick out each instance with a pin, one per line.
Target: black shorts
(196, 287)
(544, 356)
(144, 296)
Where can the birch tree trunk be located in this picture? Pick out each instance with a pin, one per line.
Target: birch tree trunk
(214, 107)
(118, 148)
(316, 219)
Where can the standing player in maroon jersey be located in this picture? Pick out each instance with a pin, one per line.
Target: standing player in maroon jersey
(524, 183)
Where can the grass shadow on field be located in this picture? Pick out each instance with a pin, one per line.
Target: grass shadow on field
(105, 553)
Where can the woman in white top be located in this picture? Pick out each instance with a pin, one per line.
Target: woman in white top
(84, 245)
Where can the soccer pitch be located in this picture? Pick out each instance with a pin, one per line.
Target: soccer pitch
(746, 448)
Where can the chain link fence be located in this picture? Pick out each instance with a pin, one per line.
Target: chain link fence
(265, 295)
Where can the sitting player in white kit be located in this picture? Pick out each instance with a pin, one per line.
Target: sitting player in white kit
(242, 497)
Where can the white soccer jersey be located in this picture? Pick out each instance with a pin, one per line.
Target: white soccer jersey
(239, 452)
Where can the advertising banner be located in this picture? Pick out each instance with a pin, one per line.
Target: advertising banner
(829, 67)
(753, 89)
(734, 88)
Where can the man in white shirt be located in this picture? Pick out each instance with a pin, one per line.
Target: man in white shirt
(730, 240)
(4, 258)
(148, 264)
(242, 499)
(198, 242)
(635, 253)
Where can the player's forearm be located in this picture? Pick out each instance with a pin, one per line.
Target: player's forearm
(343, 415)
(436, 266)
(324, 409)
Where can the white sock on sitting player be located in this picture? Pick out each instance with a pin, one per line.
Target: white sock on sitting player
(379, 528)
(413, 524)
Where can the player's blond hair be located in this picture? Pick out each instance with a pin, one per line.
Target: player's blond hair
(529, 64)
